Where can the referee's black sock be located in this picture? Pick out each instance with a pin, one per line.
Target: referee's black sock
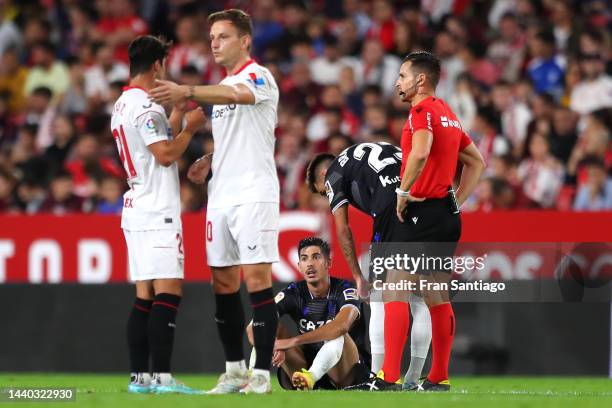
(230, 324)
(265, 322)
(162, 323)
(138, 336)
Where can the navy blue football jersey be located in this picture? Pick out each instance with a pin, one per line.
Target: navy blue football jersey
(365, 176)
(310, 313)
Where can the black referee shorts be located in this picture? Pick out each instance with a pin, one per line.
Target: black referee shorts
(432, 227)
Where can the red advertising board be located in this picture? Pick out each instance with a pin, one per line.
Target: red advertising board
(91, 248)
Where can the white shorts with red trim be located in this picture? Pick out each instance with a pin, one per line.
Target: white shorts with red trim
(155, 254)
(242, 235)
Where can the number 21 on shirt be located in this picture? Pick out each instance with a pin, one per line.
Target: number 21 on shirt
(124, 152)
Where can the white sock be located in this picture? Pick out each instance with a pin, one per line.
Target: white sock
(420, 337)
(421, 327)
(377, 362)
(162, 378)
(327, 357)
(252, 359)
(235, 367)
(377, 335)
(414, 370)
(259, 371)
(140, 378)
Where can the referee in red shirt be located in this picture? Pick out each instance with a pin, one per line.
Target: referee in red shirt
(427, 207)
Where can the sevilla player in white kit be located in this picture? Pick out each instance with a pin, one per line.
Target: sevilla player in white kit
(151, 217)
(243, 203)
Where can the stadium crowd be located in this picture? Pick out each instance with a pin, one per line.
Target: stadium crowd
(529, 80)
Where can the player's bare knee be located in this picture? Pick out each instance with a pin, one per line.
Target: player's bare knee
(171, 286)
(144, 290)
(256, 282)
(225, 281)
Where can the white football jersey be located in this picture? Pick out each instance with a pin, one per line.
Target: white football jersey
(243, 167)
(153, 200)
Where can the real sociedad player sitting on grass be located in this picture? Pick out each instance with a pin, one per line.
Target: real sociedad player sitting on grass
(329, 351)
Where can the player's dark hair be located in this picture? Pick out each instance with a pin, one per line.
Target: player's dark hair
(313, 167)
(240, 19)
(144, 51)
(423, 62)
(315, 241)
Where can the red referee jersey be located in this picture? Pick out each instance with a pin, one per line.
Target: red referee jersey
(449, 139)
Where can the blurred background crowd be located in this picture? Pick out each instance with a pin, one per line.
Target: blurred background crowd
(529, 80)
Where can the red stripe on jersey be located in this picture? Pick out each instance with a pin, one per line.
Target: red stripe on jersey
(128, 157)
(246, 64)
(127, 88)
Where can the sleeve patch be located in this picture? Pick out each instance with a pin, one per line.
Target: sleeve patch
(257, 81)
(329, 191)
(280, 296)
(350, 294)
(150, 124)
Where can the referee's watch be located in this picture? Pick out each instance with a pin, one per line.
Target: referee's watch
(402, 193)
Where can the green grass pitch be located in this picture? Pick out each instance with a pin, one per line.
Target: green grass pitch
(96, 390)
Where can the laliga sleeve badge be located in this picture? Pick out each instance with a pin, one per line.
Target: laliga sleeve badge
(150, 125)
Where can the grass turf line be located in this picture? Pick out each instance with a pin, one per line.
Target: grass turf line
(98, 390)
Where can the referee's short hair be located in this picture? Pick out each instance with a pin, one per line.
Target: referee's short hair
(144, 51)
(313, 167)
(423, 62)
(315, 241)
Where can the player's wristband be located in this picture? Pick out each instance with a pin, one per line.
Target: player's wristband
(402, 193)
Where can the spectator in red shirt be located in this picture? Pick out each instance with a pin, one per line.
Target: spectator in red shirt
(383, 24)
(119, 25)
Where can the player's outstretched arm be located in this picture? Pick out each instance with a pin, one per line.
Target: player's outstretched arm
(473, 166)
(167, 152)
(168, 91)
(347, 244)
(329, 331)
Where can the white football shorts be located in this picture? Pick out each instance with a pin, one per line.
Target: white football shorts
(155, 254)
(242, 235)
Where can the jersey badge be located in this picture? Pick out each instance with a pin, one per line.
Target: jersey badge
(150, 124)
(257, 81)
(329, 191)
(350, 294)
